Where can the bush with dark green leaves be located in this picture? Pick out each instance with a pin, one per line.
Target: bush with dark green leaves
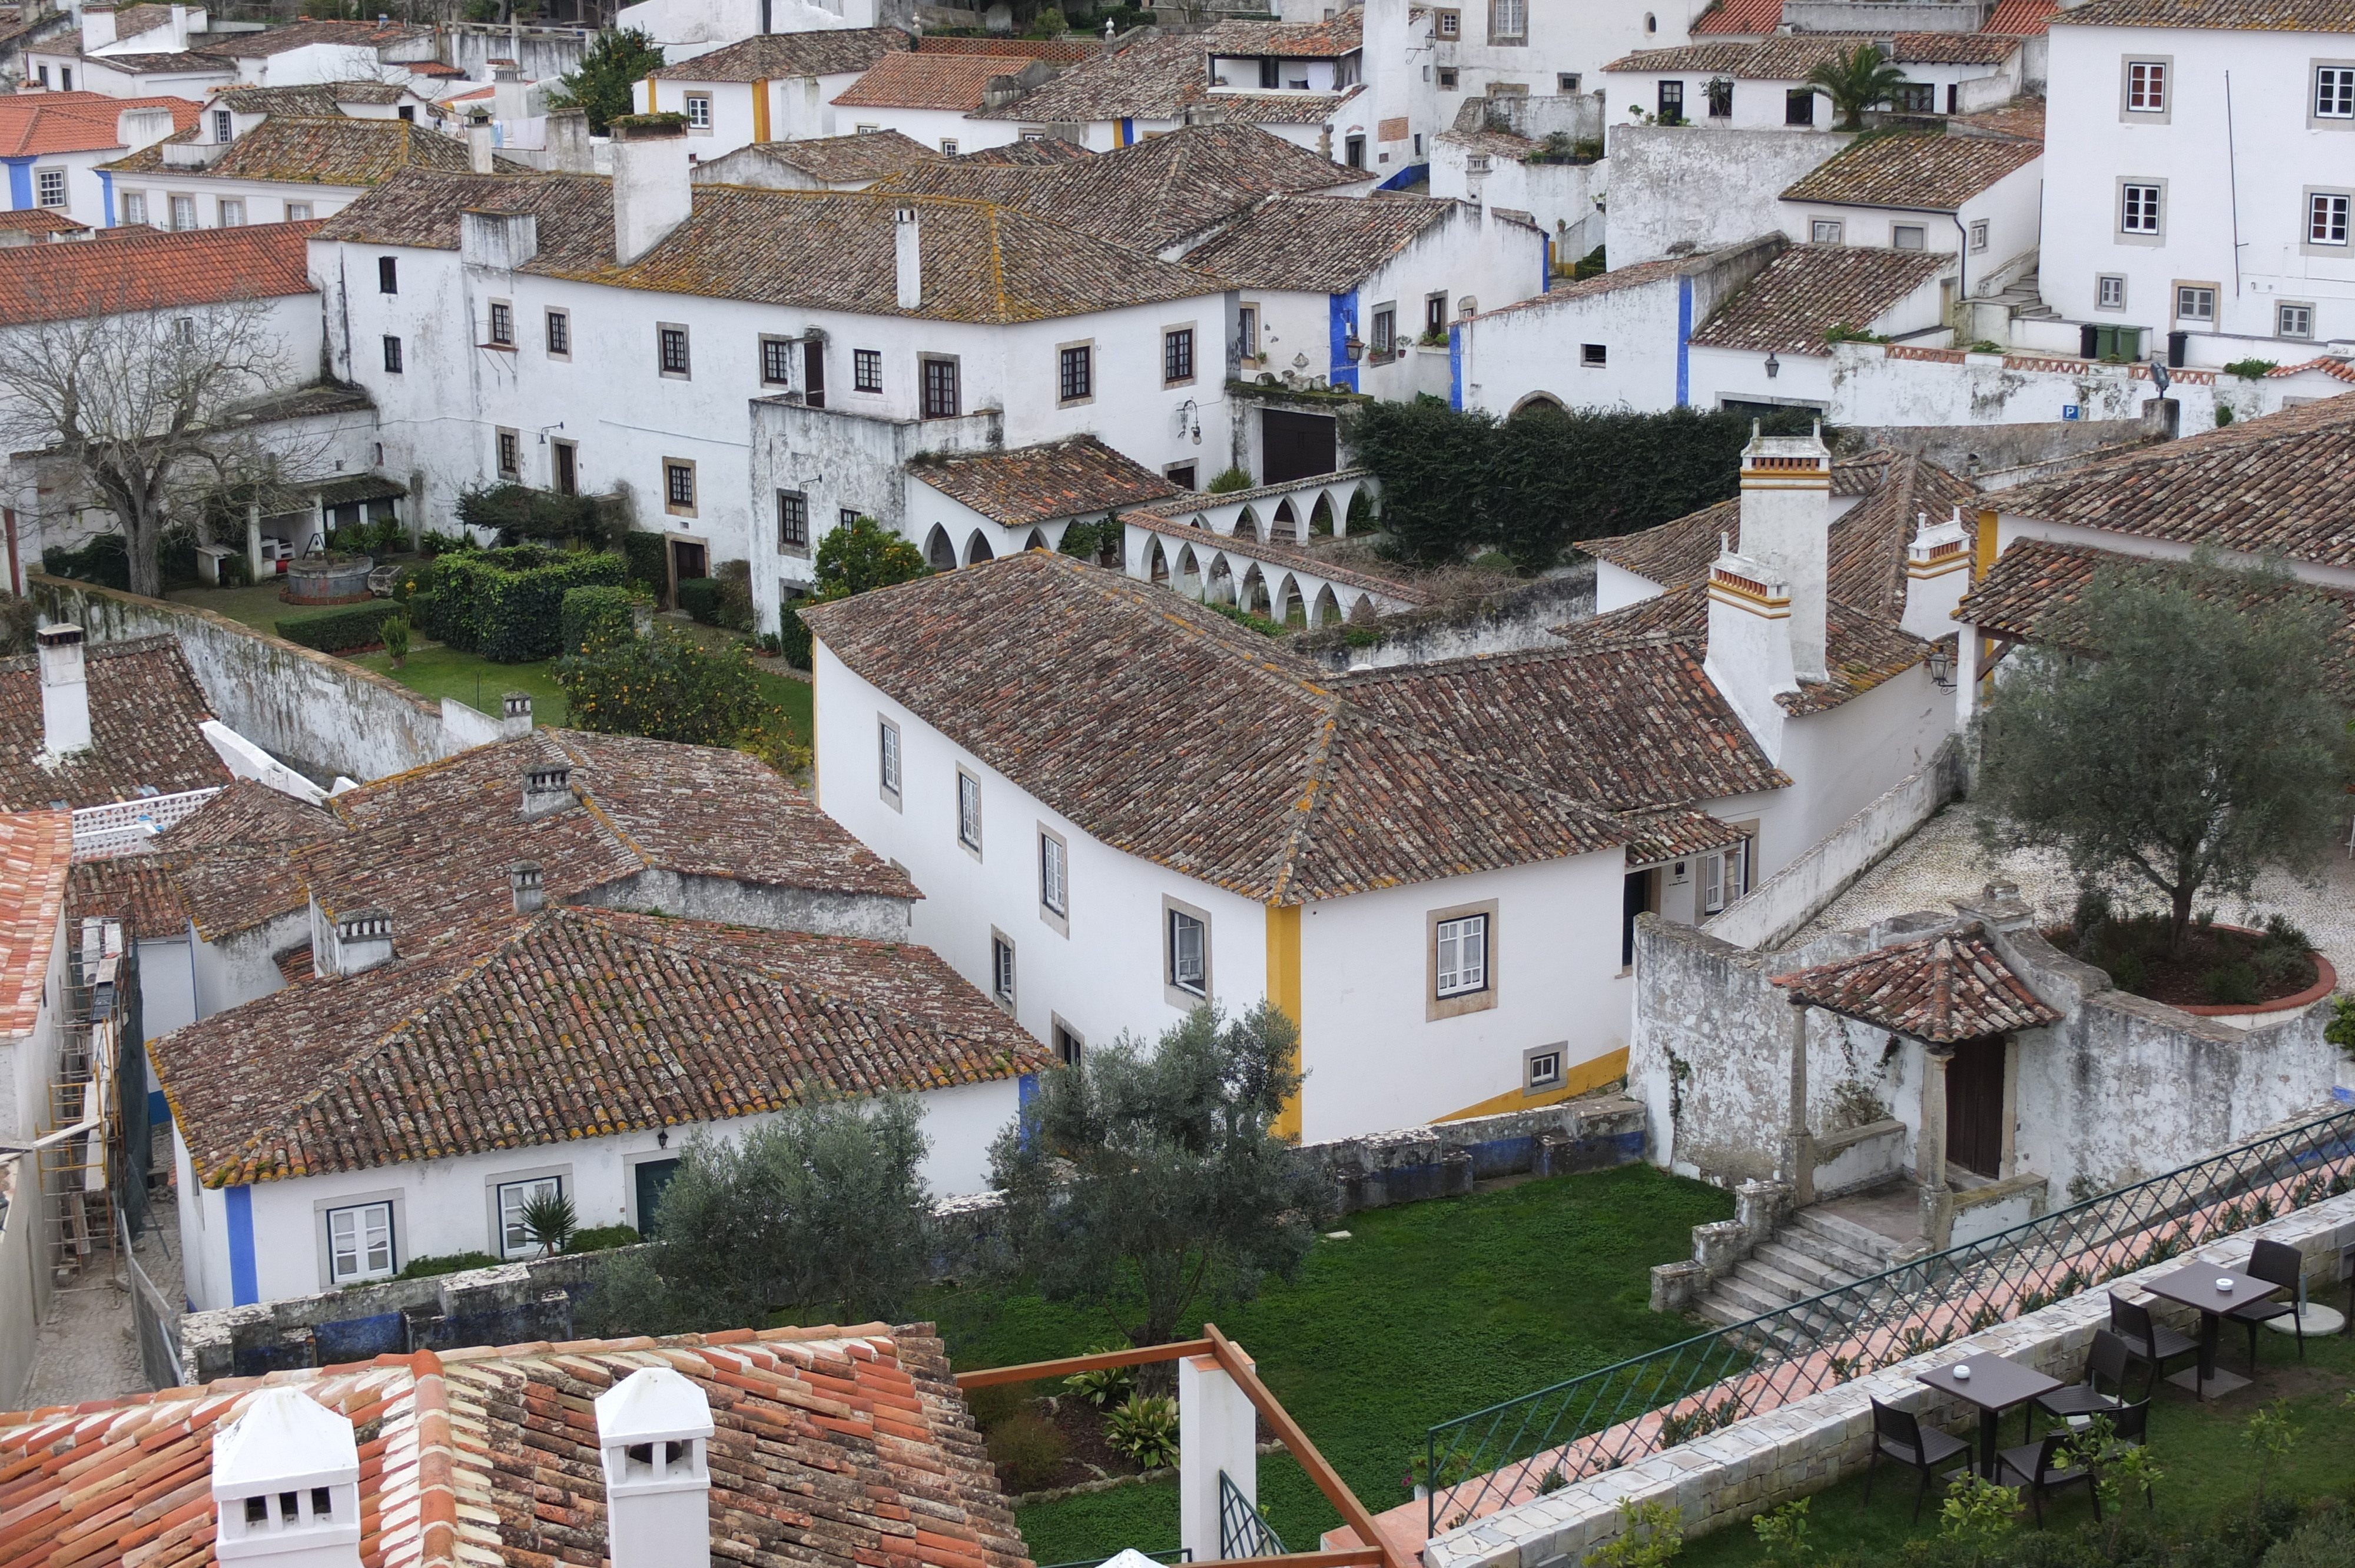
(666, 687)
(519, 513)
(699, 597)
(339, 631)
(505, 604)
(606, 614)
(1027, 1450)
(860, 554)
(448, 1262)
(649, 560)
(1456, 483)
(601, 83)
(106, 560)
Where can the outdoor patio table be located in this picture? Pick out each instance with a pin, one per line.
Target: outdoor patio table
(1995, 1385)
(2197, 1286)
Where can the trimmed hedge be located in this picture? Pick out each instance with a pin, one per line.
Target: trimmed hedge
(699, 597)
(337, 631)
(606, 614)
(649, 564)
(520, 512)
(106, 560)
(506, 605)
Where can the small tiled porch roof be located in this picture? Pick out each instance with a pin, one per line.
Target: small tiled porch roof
(1941, 990)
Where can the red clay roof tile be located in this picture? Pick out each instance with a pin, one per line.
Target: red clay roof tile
(153, 271)
(36, 848)
(1942, 990)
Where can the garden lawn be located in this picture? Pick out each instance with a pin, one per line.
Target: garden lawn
(1426, 1311)
(436, 671)
(2204, 1447)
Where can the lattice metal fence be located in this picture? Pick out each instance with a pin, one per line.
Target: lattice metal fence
(1242, 1531)
(1517, 1450)
(99, 831)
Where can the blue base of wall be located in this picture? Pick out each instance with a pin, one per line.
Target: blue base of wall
(1413, 174)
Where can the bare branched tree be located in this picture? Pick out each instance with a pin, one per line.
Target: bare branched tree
(153, 410)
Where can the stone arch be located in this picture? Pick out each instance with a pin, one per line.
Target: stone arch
(1160, 566)
(1251, 597)
(1363, 610)
(938, 554)
(1320, 517)
(1287, 522)
(1328, 609)
(1198, 521)
(1037, 541)
(1189, 570)
(978, 550)
(1248, 517)
(1291, 605)
(1220, 585)
(1539, 401)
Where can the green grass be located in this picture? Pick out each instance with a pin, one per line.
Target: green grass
(435, 671)
(258, 606)
(1427, 1312)
(2210, 1469)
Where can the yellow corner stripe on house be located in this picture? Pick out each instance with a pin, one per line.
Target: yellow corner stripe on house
(1283, 990)
(1582, 1079)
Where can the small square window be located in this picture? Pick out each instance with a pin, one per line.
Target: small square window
(1075, 380)
(948, 148)
(2146, 86)
(510, 455)
(1828, 231)
(846, 515)
(698, 111)
(2325, 218)
(2110, 291)
(1907, 235)
(776, 361)
(359, 1243)
(232, 214)
(1177, 356)
(1189, 955)
(502, 324)
(1451, 24)
(392, 356)
(2138, 208)
(1180, 474)
(298, 212)
(1068, 1047)
(968, 810)
(1978, 236)
(1542, 1069)
(678, 485)
(1001, 970)
(2195, 303)
(1720, 98)
(1799, 106)
(52, 186)
(2334, 92)
(1446, 78)
(671, 350)
(2293, 319)
(559, 335)
(793, 520)
(1566, 81)
(1594, 356)
(887, 756)
(1462, 955)
(867, 370)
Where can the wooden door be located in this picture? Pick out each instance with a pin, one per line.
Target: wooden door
(1295, 446)
(1975, 1107)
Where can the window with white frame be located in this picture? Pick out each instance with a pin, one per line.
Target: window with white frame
(2325, 218)
(1462, 955)
(223, 125)
(1001, 969)
(183, 217)
(1594, 356)
(1507, 20)
(50, 188)
(2110, 291)
(135, 208)
(298, 212)
(1724, 877)
(359, 1243)
(2195, 303)
(1054, 874)
(232, 213)
(2334, 92)
(2292, 320)
(948, 148)
(2146, 86)
(1979, 236)
(1543, 1068)
(514, 1238)
(698, 111)
(2137, 207)
(1187, 937)
(1828, 231)
(887, 756)
(777, 361)
(968, 810)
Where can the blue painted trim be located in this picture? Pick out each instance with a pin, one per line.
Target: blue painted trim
(20, 183)
(1128, 132)
(1684, 341)
(1413, 174)
(1455, 366)
(159, 1109)
(1026, 1089)
(106, 197)
(244, 1283)
(1545, 262)
(1340, 310)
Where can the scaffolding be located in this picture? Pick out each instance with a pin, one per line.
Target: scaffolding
(81, 1158)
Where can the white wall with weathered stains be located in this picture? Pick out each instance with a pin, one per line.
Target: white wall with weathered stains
(1671, 184)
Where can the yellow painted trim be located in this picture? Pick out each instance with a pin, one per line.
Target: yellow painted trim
(1582, 1079)
(1987, 545)
(761, 111)
(652, 105)
(1284, 991)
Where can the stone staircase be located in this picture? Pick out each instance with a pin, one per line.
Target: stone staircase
(1810, 1252)
(2025, 299)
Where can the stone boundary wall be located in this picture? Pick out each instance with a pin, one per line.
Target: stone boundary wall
(1777, 908)
(325, 715)
(1761, 1462)
(1521, 616)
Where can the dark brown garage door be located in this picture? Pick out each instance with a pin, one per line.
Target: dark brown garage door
(1295, 446)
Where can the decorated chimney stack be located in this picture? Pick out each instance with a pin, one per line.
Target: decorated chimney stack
(1766, 598)
(286, 1484)
(654, 1429)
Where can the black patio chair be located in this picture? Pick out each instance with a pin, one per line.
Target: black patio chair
(2107, 1359)
(2042, 1468)
(2130, 1428)
(1899, 1436)
(2150, 1342)
(2275, 1263)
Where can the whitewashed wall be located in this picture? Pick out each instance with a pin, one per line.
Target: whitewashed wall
(1712, 187)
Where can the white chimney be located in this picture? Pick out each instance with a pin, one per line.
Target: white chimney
(1749, 658)
(179, 28)
(546, 788)
(1937, 570)
(568, 142)
(514, 715)
(529, 886)
(363, 942)
(1786, 519)
(65, 690)
(654, 1429)
(141, 128)
(908, 251)
(286, 1484)
(651, 194)
(478, 143)
(97, 26)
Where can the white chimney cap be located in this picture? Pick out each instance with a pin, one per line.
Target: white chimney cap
(653, 1405)
(285, 1441)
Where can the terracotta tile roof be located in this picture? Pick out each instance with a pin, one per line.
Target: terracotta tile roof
(834, 1448)
(176, 62)
(340, 151)
(129, 21)
(2283, 484)
(1789, 56)
(1324, 244)
(230, 888)
(1032, 152)
(153, 271)
(2036, 593)
(1810, 290)
(1631, 725)
(2336, 369)
(1934, 172)
(2020, 18)
(572, 1022)
(1057, 51)
(39, 220)
(35, 123)
(772, 57)
(140, 890)
(2020, 117)
(36, 848)
(1169, 520)
(1154, 77)
(420, 208)
(302, 35)
(1942, 990)
(316, 99)
(1063, 677)
(1343, 35)
(144, 707)
(1743, 18)
(868, 156)
(1630, 277)
(928, 80)
(1149, 195)
(1054, 478)
(253, 815)
(2258, 15)
(295, 965)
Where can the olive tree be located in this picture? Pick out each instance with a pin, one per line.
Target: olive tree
(2184, 726)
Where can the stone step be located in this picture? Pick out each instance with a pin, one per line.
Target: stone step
(1818, 1275)
(1844, 1261)
(1858, 1239)
(1764, 1276)
(1748, 1296)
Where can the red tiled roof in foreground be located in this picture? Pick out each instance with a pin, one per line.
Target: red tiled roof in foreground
(34, 123)
(833, 1448)
(145, 703)
(34, 850)
(155, 271)
(1941, 990)
(39, 220)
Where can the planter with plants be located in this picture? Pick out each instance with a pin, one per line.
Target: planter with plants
(1093, 1429)
(2216, 968)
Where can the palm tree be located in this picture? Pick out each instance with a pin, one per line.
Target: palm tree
(1859, 79)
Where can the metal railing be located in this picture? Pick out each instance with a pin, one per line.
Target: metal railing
(157, 1322)
(1242, 1531)
(103, 831)
(1523, 1447)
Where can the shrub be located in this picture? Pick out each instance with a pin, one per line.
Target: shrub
(863, 555)
(1143, 1431)
(548, 1221)
(1105, 1386)
(699, 597)
(666, 687)
(604, 613)
(18, 620)
(2231, 985)
(394, 629)
(506, 604)
(733, 608)
(1229, 480)
(2251, 369)
(793, 637)
(649, 561)
(603, 1238)
(520, 512)
(448, 1262)
(339, 631)
(1027, 1450)
(434, 542)
(2327, 1541)
(995, 1402)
